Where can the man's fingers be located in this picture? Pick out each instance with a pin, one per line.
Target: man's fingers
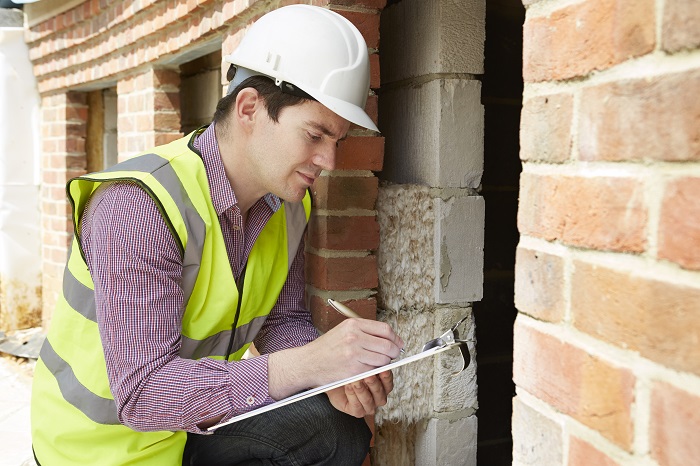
(364, 396)
(387, 380)
(376, 387)
(354, 406)
(381, 330)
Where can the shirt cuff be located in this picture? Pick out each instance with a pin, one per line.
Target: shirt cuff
(250, 388)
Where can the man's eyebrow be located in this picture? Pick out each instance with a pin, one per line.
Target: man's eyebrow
(324, 129)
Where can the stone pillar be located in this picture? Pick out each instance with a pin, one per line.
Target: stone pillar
(431, 220)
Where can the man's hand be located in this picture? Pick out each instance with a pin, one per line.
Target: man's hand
(350, 348)
(364, 396)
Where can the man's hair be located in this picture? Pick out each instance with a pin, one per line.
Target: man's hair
(273, 98)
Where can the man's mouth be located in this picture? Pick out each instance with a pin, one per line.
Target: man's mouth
(309, 179)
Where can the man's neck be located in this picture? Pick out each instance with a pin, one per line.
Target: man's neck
(234, 164)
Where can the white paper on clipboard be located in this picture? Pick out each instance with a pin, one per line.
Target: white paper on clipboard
(324, 388)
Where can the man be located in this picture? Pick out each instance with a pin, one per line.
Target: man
(185, 255)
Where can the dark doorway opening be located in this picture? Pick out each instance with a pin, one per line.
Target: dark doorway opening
(495, 314)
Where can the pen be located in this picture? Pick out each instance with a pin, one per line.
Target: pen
(343, 309)
(346, 311)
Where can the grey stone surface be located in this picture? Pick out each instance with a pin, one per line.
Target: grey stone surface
(434, 133)
(459, 249)
(455, 392)
(433, 37)
(447, 442)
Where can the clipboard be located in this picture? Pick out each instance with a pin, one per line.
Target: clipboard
(446, 341)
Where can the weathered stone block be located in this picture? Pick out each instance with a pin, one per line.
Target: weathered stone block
(455, 392)
(434, 134)
(431, 248)
(439, 36)
(459, 249)
(447, 442)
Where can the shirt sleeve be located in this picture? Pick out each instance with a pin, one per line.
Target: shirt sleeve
(136, 267)
(289, 323)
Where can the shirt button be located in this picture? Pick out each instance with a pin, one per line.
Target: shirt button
(236, 227)
(250, 400)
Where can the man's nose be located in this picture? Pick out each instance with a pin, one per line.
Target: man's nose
(325, 156)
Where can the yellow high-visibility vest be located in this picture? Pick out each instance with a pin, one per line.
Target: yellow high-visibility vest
(73, 414)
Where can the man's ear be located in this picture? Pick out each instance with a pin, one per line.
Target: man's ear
(248, 103)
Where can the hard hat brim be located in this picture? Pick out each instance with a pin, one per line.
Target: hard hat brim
(344, 109)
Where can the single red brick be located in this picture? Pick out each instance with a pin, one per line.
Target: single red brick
(679, 225)
(374, 69)
(606, 213)
(598, 34)
(342, 273)
(539, 284)
(623, 120)
(582, 453)
(652, 316)
(673, 432)
(367, 23)
(360, 153)
(372, 108)
(325, 317)
(344, 233)
(165, 138)
(545, 128)
(597, 393)
(345, 192)
(166, 121)
(166, 101)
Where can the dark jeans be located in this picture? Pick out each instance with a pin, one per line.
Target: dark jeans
(308, 432)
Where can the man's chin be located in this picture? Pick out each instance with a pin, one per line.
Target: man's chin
(293, 196)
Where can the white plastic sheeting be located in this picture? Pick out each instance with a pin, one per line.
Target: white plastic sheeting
(20, 241)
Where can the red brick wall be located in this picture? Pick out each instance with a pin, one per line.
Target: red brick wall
(148, 111)
(64, 125)
(608, 266)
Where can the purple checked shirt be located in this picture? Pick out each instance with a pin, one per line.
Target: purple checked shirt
(136, 267)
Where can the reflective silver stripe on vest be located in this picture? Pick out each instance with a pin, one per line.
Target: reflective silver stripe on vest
(98, 409)
(296, 224)
(164, 173)
(216, 345)
(78, 296)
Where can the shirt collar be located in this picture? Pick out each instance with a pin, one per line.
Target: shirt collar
(222, 195)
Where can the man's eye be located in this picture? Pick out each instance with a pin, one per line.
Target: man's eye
(314, 137)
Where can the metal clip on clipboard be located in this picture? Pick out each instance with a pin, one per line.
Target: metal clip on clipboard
(449, 337)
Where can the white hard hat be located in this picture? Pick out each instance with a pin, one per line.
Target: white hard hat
(313, 49)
